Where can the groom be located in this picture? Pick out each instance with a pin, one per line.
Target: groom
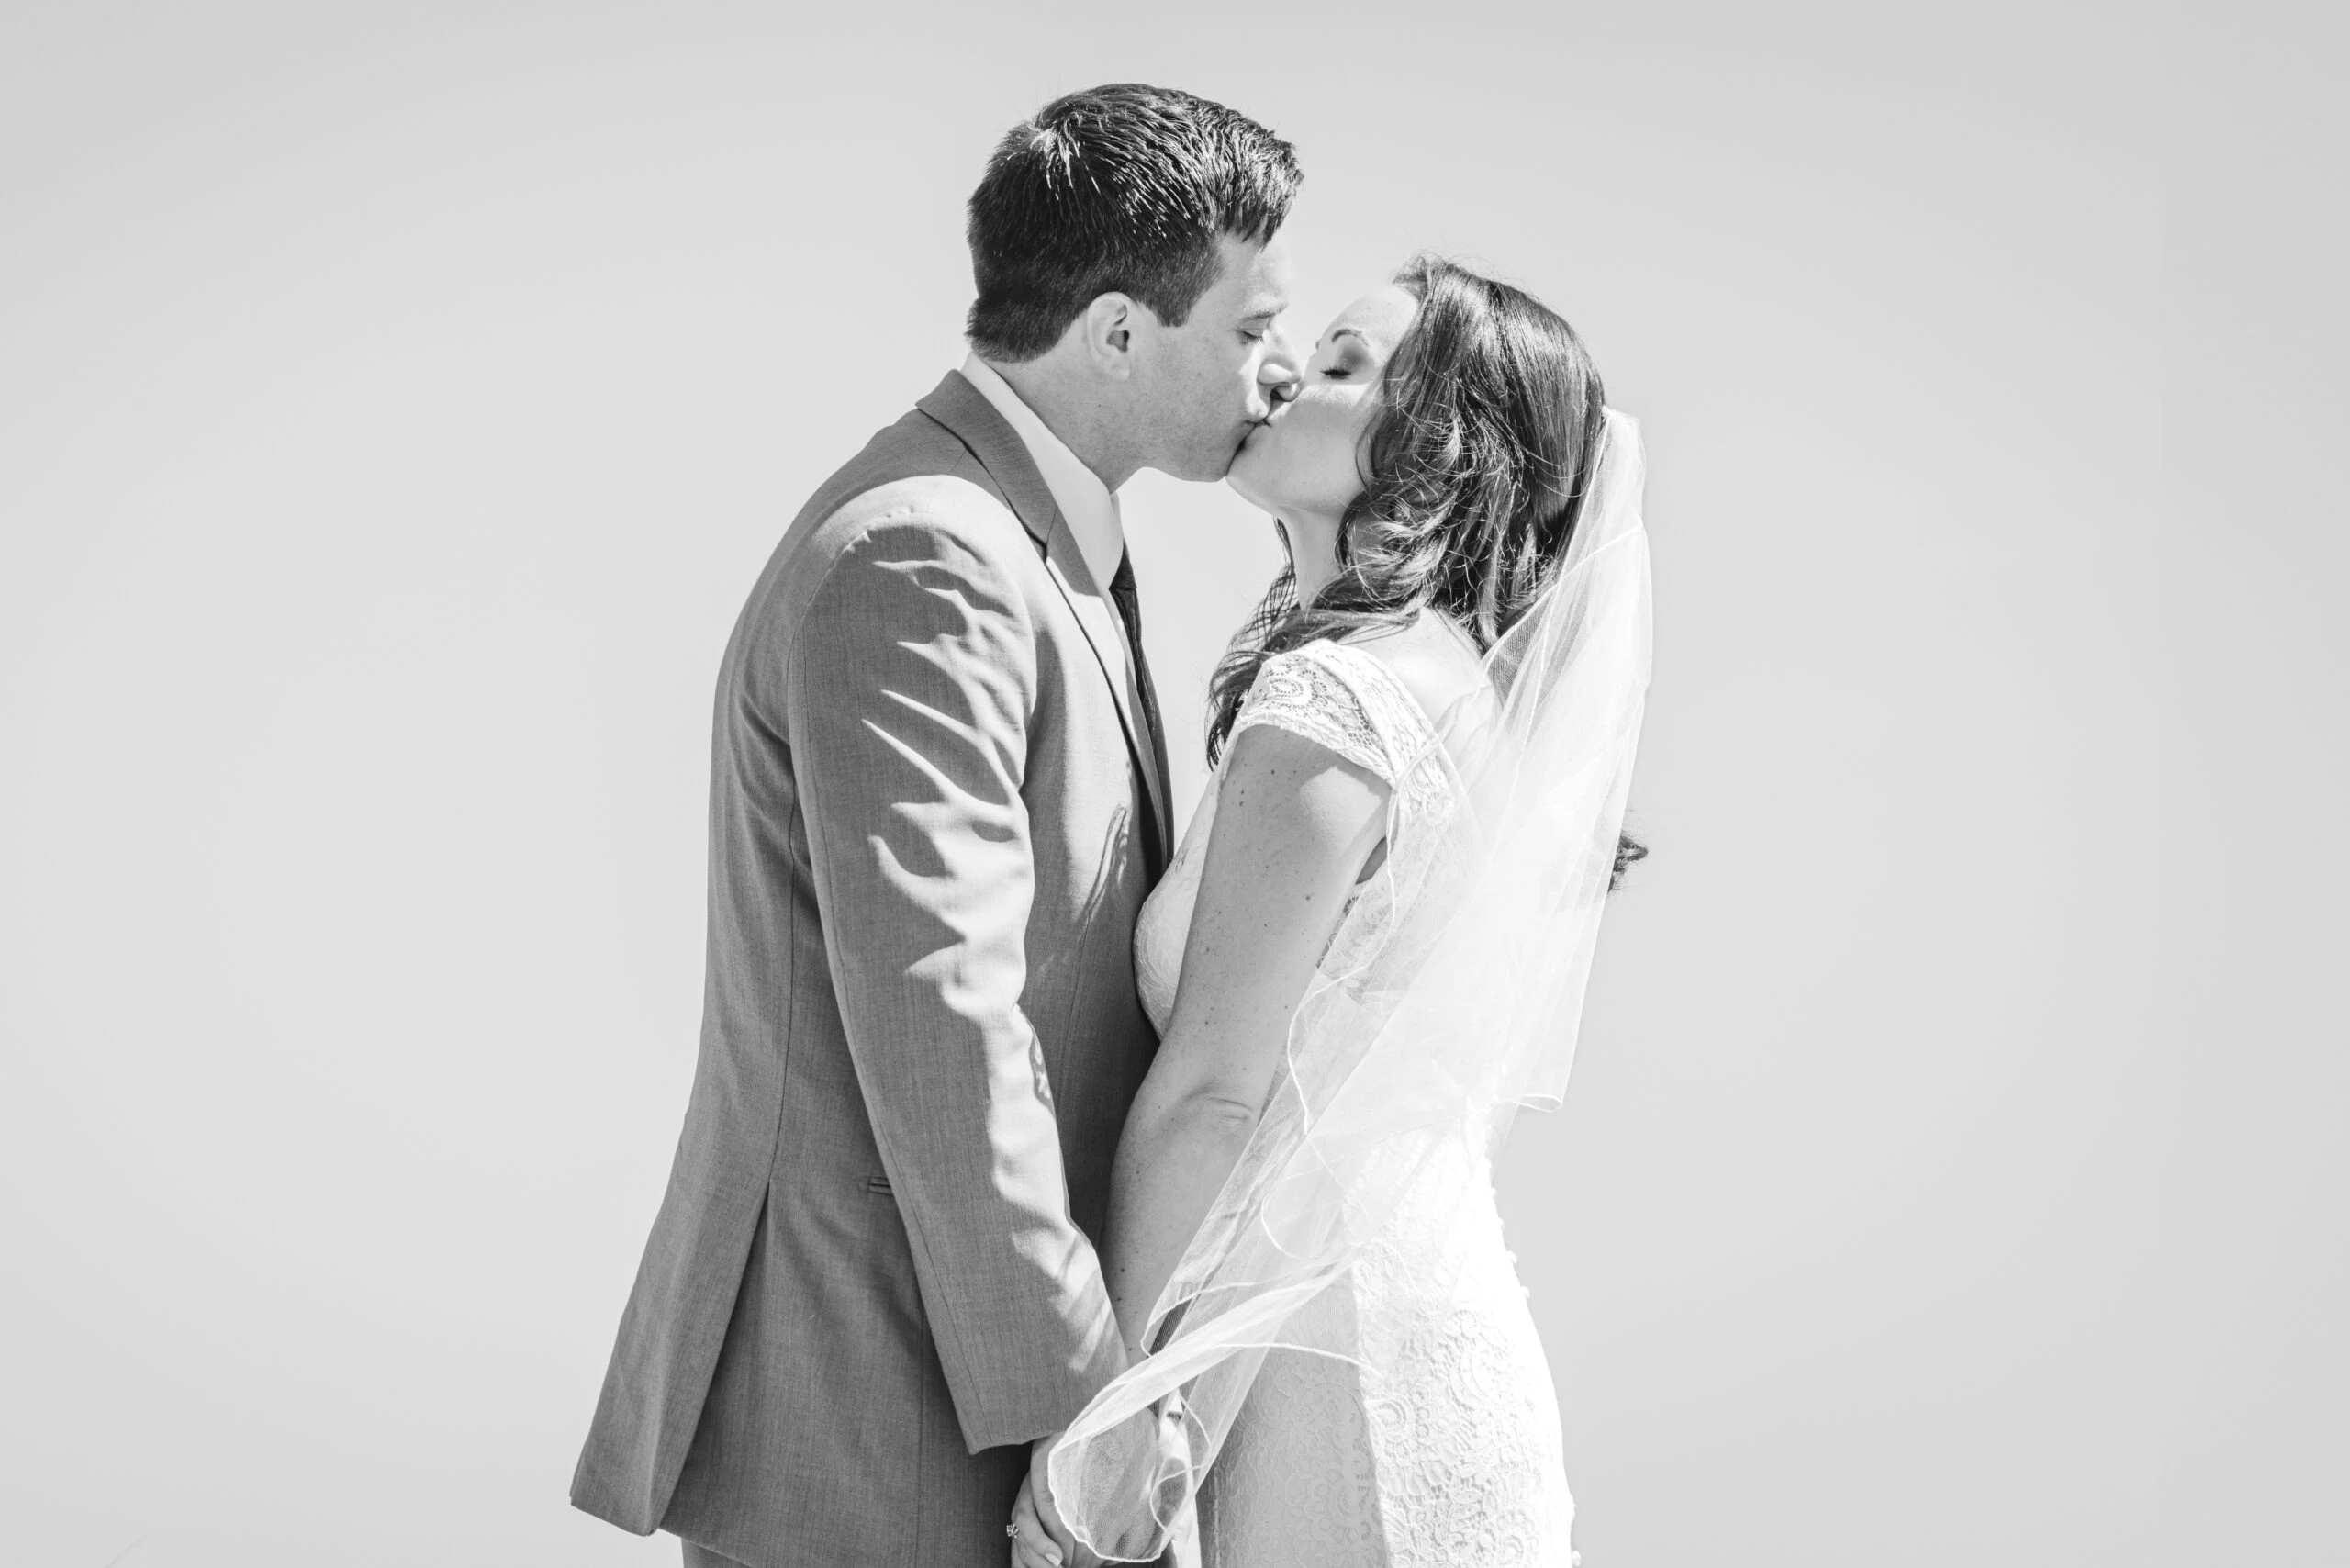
(938, 796)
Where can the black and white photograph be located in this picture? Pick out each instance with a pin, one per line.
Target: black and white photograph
(1022, 786)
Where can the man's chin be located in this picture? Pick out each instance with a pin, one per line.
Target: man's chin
(1208, 469)
(1207, 465)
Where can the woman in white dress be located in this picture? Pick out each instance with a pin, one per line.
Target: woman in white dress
(1369, 950)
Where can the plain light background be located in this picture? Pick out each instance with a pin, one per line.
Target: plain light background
(396, 402)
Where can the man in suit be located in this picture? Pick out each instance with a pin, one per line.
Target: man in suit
(938, 797)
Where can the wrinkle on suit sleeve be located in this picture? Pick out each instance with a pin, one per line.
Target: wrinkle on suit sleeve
(914, 673)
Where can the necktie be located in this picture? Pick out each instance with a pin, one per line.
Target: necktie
(1123, 594)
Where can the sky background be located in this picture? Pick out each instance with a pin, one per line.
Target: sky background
(396, 402)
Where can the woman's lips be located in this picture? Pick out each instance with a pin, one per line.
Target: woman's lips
(1263, 424)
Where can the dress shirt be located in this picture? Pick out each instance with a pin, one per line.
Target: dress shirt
(1088, 505)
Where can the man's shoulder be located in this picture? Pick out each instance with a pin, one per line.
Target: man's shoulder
(914, 493)
(954, 510)
(914, 476)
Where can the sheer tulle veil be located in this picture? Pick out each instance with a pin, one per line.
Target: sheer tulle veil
(1466, 1008)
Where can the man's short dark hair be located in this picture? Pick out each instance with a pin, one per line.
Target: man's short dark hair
(1126, 189)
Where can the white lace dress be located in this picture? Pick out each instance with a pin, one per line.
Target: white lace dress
(1449, 1454)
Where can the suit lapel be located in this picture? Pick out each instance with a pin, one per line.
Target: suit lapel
(957, 405)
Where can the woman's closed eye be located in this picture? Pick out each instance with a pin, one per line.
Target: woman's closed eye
(1348, 359)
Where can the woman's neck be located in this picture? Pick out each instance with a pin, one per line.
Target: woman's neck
(1312, 552)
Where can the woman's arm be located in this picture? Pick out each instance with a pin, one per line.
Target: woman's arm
(1295, 822)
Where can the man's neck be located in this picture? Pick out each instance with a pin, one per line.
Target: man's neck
(1071, 412)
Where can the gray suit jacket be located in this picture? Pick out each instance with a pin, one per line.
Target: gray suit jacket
(873, 1280)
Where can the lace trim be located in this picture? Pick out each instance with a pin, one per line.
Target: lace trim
(1340, 697)
(1298, 691)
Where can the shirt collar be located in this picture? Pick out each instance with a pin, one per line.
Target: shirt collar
(1088, 505)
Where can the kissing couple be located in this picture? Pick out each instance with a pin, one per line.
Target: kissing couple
(1057, 1189)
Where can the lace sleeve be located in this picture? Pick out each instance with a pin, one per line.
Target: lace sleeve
(1302, 692)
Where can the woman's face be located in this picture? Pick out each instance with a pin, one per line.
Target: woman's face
(1306, 461)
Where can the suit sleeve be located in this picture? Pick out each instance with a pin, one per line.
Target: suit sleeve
(914, 673)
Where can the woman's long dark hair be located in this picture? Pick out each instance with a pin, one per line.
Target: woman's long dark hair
(1479, 457)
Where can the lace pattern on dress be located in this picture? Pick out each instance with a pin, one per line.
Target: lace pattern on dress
(1340, 697)
(1301, 691)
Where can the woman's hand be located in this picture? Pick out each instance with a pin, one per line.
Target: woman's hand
(1032, 1546)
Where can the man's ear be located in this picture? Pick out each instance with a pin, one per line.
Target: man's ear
(1109, 325)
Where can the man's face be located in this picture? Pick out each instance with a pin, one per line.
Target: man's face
(1213, 379)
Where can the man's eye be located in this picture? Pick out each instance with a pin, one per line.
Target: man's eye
(1252, 337)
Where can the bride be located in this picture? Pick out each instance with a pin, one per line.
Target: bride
(1369, 949)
